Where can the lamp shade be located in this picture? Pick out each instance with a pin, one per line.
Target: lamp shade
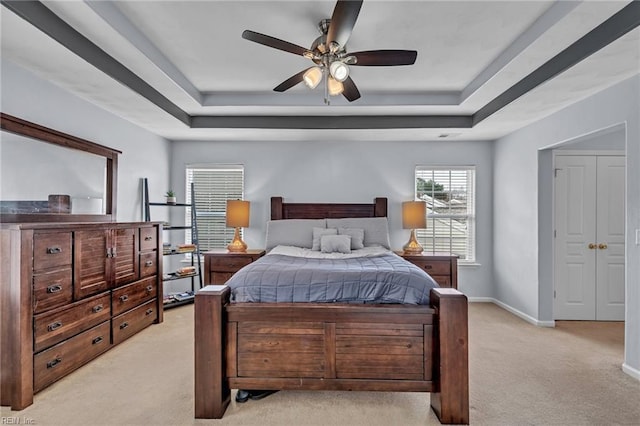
(414, 214)
(335, 87)
(312, 77)
(237, 213)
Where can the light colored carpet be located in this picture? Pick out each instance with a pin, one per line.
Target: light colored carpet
(519, 375)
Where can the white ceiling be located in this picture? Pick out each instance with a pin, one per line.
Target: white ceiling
(469, 52)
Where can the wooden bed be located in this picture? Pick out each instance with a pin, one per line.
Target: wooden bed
(331, 346)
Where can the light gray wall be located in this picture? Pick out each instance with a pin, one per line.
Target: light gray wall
(348, 171)
(521, 234)
(144, 154)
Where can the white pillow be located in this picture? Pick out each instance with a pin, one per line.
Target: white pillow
(335, 243)
(319, 232)
(292, 232)
(356, 234)
(376, 229)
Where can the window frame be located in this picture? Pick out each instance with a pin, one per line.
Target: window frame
(225, 237)
(469, 257)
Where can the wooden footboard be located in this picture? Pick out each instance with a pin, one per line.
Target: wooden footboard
(312, 346)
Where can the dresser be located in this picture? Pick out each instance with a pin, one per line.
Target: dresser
(220, 265)
(442, 267)
(68, 293)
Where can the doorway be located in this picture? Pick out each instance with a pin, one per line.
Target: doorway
(589, 233)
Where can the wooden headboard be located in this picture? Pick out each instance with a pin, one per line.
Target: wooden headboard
(281, 210)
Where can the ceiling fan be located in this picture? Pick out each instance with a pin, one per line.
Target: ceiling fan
(329, 54)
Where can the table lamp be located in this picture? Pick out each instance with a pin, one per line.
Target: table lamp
(237, 217)
(414, 215)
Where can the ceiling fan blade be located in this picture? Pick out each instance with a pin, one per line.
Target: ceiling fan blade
(276, 43)
(290, 82)
(342, 21)
(350, 91)
(373, 58)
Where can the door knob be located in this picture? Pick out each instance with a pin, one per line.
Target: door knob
(592, 246)
(602, 246)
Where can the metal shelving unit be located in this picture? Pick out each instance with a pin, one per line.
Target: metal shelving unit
(181, 298)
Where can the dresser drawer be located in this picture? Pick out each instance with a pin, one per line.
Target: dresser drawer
(53, 327)
(148, 264)
(51, 250)
(229, 263)
(131, 322)
(51, 290)
(434, 267)
(130, 296)
(60, 360)
(148, 239)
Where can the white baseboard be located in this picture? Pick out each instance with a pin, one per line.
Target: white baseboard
(514, 311)
(631, 371)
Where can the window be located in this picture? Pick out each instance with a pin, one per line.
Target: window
(213, 185)
(450, 196)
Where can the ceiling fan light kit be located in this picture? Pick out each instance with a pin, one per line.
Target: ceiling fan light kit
(312, 77)
(328, 52)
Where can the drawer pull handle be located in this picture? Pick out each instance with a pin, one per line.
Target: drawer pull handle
(148, 263)
(124, 325)
(55, 362)
(97, 308)
(428, 266)
(54, 326)
(149, 312)
(124, 297)
(148, 238)
(55, 288)
(96, 340)
(54, 250)
(149, 288)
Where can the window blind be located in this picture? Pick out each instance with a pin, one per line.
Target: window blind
(450, 196)
(213, 186)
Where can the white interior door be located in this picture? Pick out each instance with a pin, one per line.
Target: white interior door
(575, 237)
(610, 238)
(589, 238)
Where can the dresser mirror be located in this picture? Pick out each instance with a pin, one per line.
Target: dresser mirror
(49, 176)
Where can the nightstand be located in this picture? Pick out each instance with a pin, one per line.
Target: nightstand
(220, 265)
(442, 267)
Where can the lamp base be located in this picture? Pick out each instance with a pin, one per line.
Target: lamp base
(412, 246)
(237, 245)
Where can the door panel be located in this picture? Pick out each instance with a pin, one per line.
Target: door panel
(575, 203)
(92, 266)
(610, 237)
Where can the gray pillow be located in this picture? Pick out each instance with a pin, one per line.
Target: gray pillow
(292, 232)
(356, 234)
(335, 243)
(319, 232)
(376, 229)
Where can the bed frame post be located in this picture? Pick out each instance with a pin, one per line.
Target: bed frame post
(450, 398)
(212, 393)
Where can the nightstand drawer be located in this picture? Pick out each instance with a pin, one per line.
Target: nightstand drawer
(434, 267)
(442, 280)
(229, 263)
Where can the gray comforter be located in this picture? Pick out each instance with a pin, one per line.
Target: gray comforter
(381, 279)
